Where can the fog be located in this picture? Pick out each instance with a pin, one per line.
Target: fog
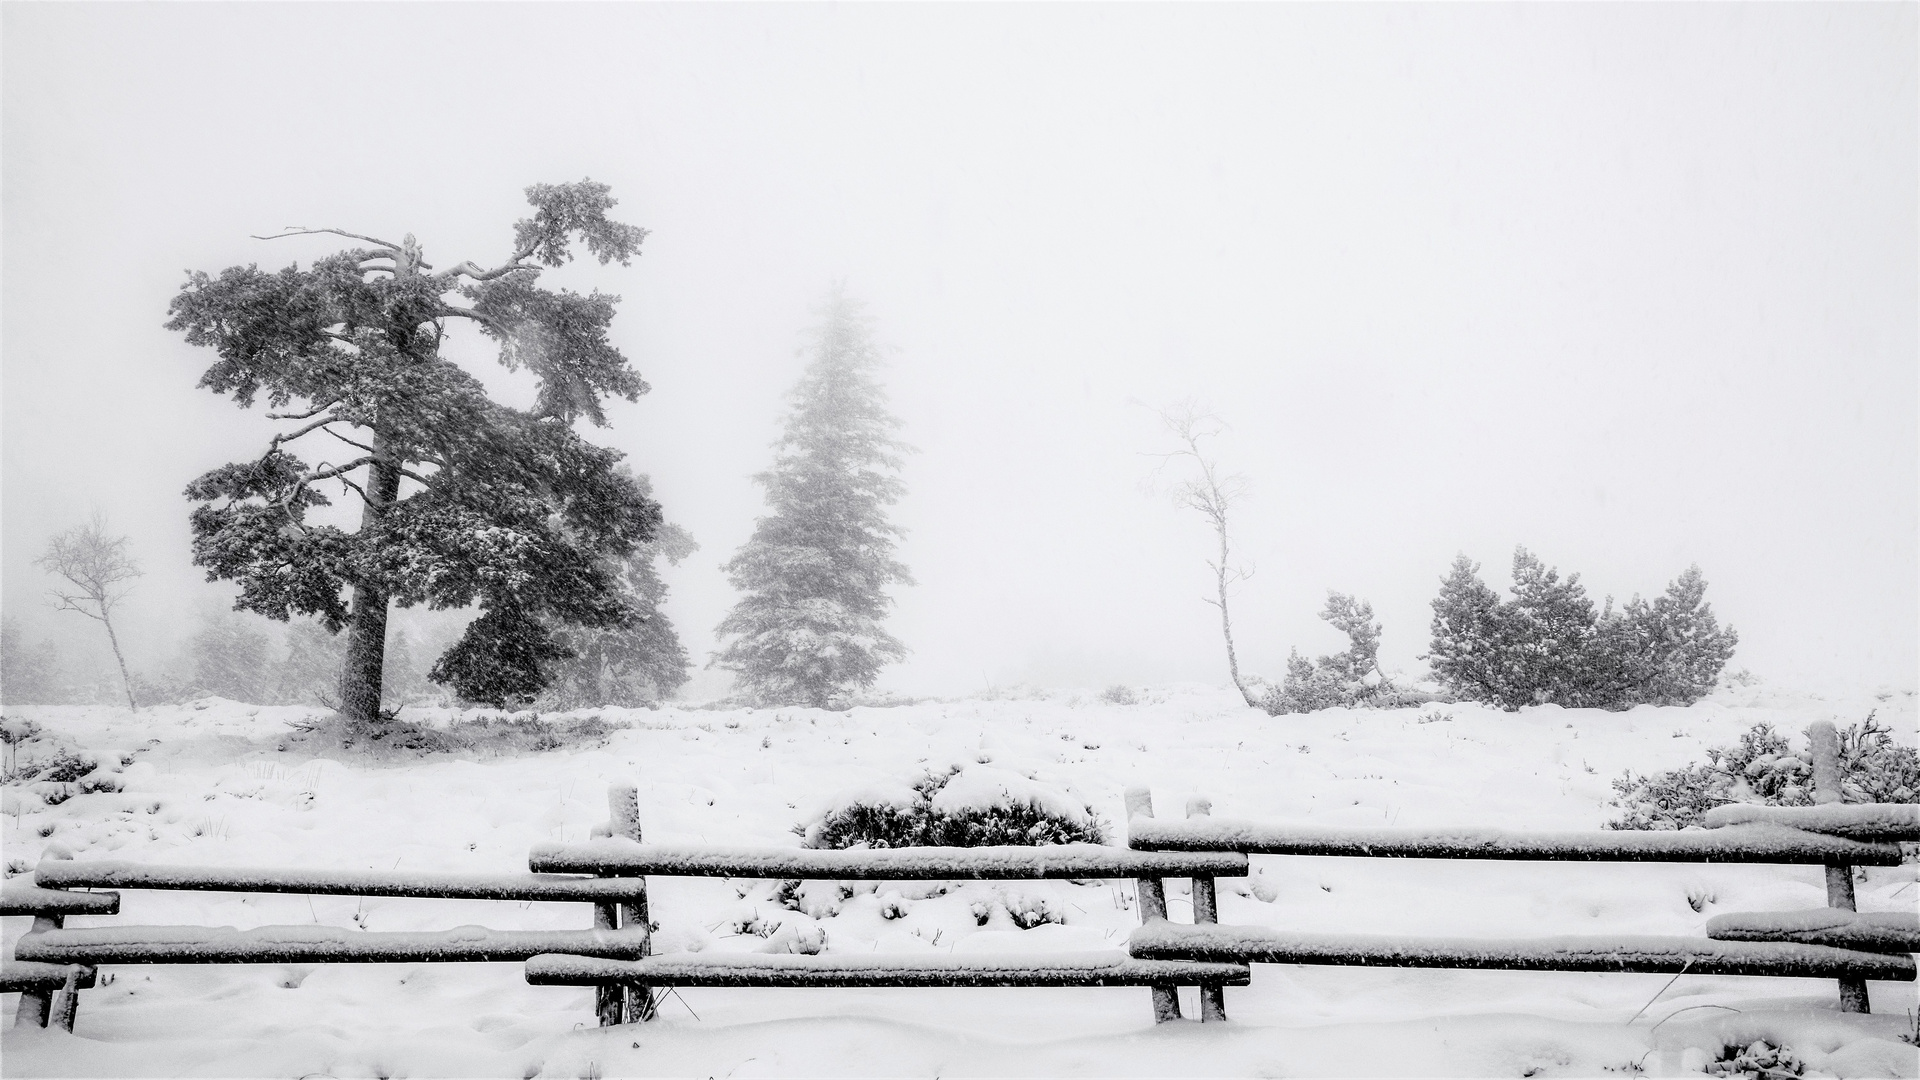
(1634, 286)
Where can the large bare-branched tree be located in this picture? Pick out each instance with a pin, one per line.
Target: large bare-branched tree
(1212, 493)
(97, 572)
(463, 501)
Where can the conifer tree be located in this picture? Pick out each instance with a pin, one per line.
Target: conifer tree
(463, 501)
(807, 630)
(632, 665)
(1468, 642)
(1548, 645)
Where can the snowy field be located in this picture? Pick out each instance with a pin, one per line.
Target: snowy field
(209, 784)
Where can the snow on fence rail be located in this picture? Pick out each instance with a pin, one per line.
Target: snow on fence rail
(1882, 822)
(1070, 861)
(1105, 967)
(20, 898)
(1697, 956)
(28, 976)
(1877, 931)
(1752, 843)
(317, 945)
(409, 883)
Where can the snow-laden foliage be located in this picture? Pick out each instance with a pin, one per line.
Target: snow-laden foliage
(1761, 1061)
(638, 664)
(807, 629)
(464, 501)
(1349, 679)
(971, 807)
(1547, 644)
(29, 671)
(1764, 768)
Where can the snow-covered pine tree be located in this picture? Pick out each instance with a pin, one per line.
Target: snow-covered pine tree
(807, 630)
(1468, 649)
(464, 501)
(634, 665)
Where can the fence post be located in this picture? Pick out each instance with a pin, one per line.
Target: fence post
(1153, 905)
(623, 803)
(1206, 909)
(1825, 742)
(37, 1007)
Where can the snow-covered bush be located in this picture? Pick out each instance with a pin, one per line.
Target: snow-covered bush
(972, 807)
(1119, 694)
(1350, 679)
(1764, 768)
(1547, 644)
(63, 766)
(1762, 1061)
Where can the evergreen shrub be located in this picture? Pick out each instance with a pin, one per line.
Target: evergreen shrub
(919, 823)
(1764, 768)
(1350, 679)
(1548, 645)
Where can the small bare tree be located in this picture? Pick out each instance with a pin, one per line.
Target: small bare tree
(1213, 494)
(97, 570)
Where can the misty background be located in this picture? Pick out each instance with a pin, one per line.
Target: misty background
(1634, 286)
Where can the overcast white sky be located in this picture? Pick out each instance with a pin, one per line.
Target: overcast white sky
(1634, 286)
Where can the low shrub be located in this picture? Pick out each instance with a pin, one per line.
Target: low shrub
(1119, 694)
(63, 766)
(941, 809)
(1760, 1061)
(1350, 679)
(487, 736)
(1764, 768)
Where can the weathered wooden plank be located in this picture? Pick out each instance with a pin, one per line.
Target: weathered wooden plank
(437, 885)
(18, 976)
(1878, 931)
(1107, 967)
(313, 945)
(1757, 843)
(22, 898)
(888, 864)
(1699, 956)
(1868, 822)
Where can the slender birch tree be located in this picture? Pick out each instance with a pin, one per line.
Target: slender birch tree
(1212, 493)
(97, 572)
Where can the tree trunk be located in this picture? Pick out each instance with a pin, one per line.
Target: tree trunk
(114, 639)
(367, 624)
(1226, 624)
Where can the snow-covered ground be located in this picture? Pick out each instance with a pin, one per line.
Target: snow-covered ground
(210, 785)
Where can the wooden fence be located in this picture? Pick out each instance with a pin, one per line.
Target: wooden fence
(615, 955)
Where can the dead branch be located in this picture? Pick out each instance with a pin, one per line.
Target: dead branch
(297, 230)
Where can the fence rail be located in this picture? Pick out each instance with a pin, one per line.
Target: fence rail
(418, 884)
(315, 945)
(1752, 843)
(1105, 968)
(1064, 861)
(1697, 956)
